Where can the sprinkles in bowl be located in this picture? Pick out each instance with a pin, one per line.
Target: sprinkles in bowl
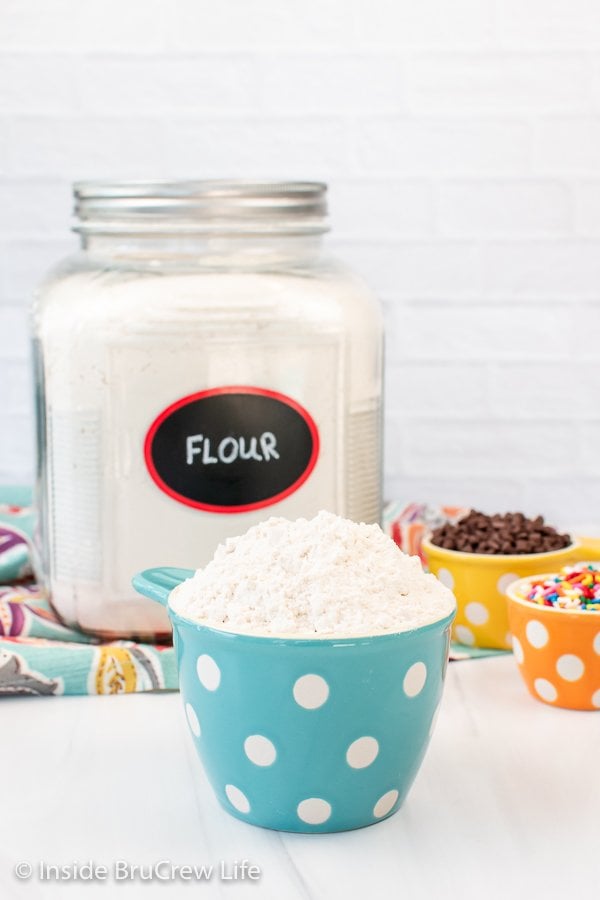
(573, 588)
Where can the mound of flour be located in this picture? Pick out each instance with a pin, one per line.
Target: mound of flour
(317, 577)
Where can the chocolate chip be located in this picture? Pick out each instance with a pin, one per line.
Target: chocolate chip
(499, 534)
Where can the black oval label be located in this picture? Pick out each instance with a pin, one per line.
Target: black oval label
(232, 449)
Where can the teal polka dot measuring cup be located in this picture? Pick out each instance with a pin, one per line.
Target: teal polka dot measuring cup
(306, 734)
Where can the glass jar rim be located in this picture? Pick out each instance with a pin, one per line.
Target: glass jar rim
(226, 206)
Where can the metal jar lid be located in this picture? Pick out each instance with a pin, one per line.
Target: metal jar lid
(223, 206)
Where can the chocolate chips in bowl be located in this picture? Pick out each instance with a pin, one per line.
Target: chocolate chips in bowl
(506, 534)
(480, 555)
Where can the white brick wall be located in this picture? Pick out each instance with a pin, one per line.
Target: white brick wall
(462, 144)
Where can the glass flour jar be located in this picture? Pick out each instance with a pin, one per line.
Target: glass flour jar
(201, 365)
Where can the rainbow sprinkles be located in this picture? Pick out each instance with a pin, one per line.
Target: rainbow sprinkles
(573, 588)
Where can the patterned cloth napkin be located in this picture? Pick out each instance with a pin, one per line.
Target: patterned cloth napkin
(39, 655)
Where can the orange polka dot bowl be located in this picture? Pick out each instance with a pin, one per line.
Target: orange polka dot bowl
(479, 582)
(557, 650)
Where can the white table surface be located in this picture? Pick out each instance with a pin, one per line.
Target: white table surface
(507, 804)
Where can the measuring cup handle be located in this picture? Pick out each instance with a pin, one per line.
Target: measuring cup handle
(157, 584)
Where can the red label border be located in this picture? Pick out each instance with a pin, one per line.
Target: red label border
(232, 389)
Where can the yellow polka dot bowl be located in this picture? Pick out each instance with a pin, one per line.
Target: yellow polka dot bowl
(479, 582)
(557, 650)
(301, 733)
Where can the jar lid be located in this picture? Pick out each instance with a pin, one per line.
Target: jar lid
(223, 206)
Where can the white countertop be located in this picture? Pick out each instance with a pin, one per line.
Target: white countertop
(507, 804)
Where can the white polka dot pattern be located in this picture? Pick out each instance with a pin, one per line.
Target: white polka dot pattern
(385, 804)
(446, 577)
(311, 691)
(314, 811)
(260, 750)
(570, 667)
(464, 635)
(414, 680)
(545, 689)
(237, 798)
(254, 794)
(362, 752)
(192, 719)
(505, 580)
(537, 634)
(556, 653)
(518, 650)
(476, 613)
(208, 672)
(596, 699)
